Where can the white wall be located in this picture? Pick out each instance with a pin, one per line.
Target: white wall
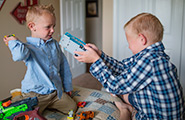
(107, 27)
(11, 73)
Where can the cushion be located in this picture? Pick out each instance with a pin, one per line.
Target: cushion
(99, 102)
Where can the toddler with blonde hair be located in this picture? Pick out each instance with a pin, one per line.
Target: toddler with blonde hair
(48, 75)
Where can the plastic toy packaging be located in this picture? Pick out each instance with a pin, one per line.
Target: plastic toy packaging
(71, 43)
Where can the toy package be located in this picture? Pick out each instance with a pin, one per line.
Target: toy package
(71, 43)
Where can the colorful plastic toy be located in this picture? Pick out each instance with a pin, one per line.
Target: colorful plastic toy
(9, 112)
(81, 104)
(29, 115)
(7, 103)
(10, 35)
(87, 115)
(70, 115)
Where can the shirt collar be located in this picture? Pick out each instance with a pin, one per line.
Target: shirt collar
(37, 41)
(158, 46)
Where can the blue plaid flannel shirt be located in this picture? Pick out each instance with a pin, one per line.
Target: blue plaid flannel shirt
(149, 78)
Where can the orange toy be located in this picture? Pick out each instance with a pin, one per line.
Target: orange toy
(6, 104)
(85, 115)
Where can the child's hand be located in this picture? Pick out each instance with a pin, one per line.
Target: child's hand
(69, 93)
(7, 39)
(95, 48)
(88, 56)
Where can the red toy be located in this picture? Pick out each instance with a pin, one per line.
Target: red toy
(81, 104)
(29, 115)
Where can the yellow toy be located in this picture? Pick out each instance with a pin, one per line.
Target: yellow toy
(70, 115)
(10, 35)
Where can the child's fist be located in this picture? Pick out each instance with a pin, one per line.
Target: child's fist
(8, 38)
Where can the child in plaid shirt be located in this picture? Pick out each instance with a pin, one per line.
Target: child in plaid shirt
(147, 81)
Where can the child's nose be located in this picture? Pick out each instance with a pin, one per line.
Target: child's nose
(52, 30)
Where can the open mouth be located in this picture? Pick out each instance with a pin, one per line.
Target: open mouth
(49, 36)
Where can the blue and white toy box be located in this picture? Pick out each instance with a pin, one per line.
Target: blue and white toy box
(71, 43)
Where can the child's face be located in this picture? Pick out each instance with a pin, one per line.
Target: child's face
(134, 41)
(44, 26)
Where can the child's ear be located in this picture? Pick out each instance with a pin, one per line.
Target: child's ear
(31, 26)
(143, 39)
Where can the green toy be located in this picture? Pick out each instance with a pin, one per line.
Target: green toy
(5, 113)
(9, 112)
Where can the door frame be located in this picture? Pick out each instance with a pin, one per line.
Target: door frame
(182, 62)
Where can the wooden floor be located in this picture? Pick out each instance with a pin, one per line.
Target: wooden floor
(88, 81)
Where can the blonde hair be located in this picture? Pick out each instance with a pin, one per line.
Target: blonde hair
(38, 10)
(147, 24)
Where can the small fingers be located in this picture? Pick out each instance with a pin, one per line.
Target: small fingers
(78, 52)
(90, 44)
(78, 58)
(5, 41)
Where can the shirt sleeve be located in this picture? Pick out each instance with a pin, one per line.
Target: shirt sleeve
(18, 50)
(65, 73)
(116, 67)
(134, 78)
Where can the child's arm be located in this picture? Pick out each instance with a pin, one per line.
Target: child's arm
(18, 49)
(93, 54)
(65, 73)
(133, 79)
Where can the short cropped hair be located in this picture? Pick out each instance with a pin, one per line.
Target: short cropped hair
(147, 24)
(38, 10)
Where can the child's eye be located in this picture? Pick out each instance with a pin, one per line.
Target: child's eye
(47, 27)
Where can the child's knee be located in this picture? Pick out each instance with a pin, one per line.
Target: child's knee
(67, 103)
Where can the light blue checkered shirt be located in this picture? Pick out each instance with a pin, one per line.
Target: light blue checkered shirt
(47, 67)
(150, 79)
